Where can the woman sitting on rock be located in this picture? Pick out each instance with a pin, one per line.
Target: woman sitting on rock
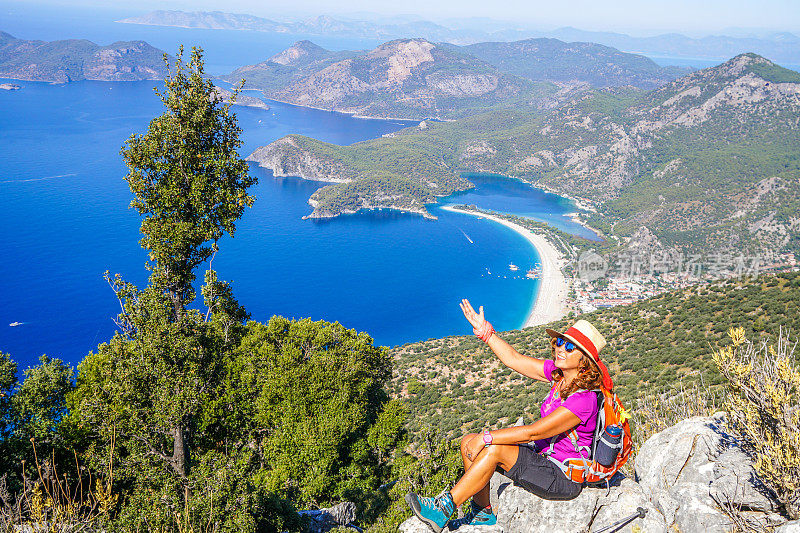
(530, 455)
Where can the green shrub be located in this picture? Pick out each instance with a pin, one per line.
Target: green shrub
(763, 403)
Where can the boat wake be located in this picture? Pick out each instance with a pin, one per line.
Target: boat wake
(40, 179)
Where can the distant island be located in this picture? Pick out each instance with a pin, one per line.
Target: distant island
(79, 59)
(779, 46)
(398, 27)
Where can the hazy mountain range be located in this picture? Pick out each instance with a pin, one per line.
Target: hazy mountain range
(778, 46)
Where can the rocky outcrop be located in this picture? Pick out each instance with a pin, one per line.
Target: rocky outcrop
(402, 78)
(789, 527)
(693, 467)
(241, 99)
(521, 512)
(684, 477)
(286, 157)
(324, 520)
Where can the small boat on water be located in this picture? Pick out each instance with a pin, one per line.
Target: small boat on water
(15, 324)
(535, 272)
(512, 267)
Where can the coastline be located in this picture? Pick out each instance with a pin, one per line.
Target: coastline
(353, 114)
(580, 203)
(548, 305)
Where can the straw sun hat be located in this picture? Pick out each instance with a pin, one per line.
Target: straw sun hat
(586, 337)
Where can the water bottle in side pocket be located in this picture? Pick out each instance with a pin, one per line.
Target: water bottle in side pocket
(609, 446)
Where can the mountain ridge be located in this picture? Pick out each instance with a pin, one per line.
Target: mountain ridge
(415, 78)
(706, 161)
(539, 59)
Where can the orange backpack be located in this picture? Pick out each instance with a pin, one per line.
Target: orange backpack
(586, 469)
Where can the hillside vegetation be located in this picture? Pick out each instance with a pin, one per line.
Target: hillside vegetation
(599, 66)
(654, 347)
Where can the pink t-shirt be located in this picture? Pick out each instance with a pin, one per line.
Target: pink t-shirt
(582, 404)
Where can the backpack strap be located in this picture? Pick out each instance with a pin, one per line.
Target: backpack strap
(585, 452)
(601, 420)
(549, 450)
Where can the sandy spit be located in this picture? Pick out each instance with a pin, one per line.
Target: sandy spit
(549, 304)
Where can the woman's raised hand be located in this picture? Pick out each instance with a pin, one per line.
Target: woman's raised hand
(476, 319)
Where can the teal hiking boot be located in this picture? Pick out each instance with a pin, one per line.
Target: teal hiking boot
(432, 511)
(477, 516)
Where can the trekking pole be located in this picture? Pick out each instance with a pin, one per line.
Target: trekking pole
(640, 512)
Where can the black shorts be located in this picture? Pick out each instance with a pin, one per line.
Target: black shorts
(539, 475)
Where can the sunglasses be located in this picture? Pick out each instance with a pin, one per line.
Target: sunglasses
(568, 346)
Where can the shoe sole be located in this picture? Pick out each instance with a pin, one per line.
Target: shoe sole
(455, 527)
(415, 508)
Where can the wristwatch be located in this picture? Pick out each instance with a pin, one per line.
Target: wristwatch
(487, 438)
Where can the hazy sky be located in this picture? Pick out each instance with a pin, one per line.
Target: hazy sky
(624, 15)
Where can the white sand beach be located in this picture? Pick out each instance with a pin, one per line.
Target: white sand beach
(549, 303)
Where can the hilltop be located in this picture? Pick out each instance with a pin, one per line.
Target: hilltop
(574, 62)
(79, 59)
(410, 78)
(302, 59)
(706, 162)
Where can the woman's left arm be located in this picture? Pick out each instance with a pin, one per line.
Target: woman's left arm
(559, 421)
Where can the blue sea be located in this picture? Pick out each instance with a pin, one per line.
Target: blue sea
(397, 276)
(66, 220)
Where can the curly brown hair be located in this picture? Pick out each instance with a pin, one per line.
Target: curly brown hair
(588, 378)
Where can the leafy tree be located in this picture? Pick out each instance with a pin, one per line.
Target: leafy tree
(309, 398)
(31, 414)
(8, 382)
(187, 179)
(39, 403)
(147, 386)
